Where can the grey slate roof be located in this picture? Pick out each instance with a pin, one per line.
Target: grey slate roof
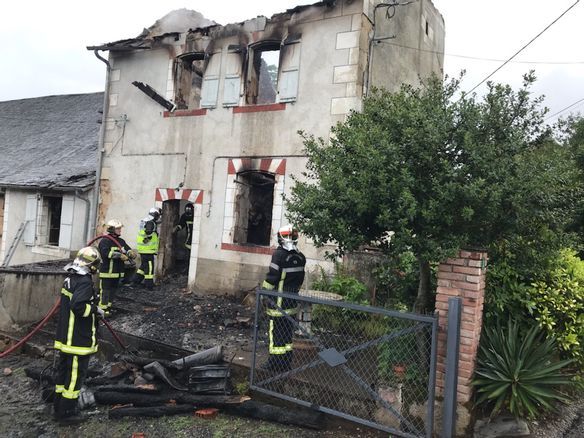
(50, 142)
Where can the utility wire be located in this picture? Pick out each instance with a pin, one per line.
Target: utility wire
(523, 48)
(438, 52)
(564, 109)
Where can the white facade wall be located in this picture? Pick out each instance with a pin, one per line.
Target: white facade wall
(144, 150)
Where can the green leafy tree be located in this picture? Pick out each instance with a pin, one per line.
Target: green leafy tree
(439, 173)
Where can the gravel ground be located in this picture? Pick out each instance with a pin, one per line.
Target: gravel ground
(569, 422)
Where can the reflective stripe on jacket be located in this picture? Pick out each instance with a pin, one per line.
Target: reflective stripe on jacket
(286, 274)
(112, 266)
(76, 330)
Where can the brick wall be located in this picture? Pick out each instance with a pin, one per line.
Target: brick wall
(462, 277)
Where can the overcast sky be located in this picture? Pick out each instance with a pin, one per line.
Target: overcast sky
(42, 43)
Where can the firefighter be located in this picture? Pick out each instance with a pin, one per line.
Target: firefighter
(286, 274)
(147, 246)
(76, 332)
(112, 267)
(186, 222)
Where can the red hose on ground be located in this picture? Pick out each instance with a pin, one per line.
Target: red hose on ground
(53, 309)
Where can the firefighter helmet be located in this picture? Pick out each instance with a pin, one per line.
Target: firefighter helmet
(155, 212)
(86, 261)
(288, 237)
(189, 209)
(112, 225)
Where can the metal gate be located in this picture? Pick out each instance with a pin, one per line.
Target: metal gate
(369, 365)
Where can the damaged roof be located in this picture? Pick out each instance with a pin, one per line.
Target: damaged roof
(173, 23)
(50, 142)
(180, 21)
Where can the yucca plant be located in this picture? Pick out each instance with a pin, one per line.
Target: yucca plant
(519, 373)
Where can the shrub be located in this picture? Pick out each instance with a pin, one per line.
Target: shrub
(519, 373)
(557, 302)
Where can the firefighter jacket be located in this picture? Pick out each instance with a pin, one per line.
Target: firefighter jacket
(112, 266)
(76, 330)
(286, 274)
(186, 221)
(147, 240)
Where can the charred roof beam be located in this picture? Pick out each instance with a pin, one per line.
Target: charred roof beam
(153, 94)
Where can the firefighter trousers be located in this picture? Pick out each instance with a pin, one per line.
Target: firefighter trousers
(146, 271)
(70, 375)
(108, 288)
(280, 333)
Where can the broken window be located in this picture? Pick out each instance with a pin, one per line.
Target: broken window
(50, 220)
(273, 71)
(189, 70)
(262, 75)
(253, 208)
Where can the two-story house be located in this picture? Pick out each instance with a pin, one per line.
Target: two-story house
(210, 115)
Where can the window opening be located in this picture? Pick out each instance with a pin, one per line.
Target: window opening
(53, 207)
(263, 74)
(254, 202)
(189, 80)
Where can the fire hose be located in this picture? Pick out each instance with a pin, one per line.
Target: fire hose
(53, 309)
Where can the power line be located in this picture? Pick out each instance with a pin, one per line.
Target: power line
(477, 58)
(564, 109)
(525, 46)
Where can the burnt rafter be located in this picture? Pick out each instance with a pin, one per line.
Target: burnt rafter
(153, 94)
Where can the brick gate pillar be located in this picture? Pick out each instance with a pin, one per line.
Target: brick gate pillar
(464, 277)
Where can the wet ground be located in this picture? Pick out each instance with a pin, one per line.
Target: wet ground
(169, 314)
(173, 315)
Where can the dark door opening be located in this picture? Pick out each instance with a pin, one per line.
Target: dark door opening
(254, 203)
(173, 255)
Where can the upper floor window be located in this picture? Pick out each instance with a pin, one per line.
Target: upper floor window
(262, 74)
(189, 70)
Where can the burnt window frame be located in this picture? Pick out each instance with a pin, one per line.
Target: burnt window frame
(253, 71)
(183, 66)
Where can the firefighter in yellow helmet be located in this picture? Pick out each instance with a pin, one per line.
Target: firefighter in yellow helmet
(286, 274)
(76, 332)
(112, 267)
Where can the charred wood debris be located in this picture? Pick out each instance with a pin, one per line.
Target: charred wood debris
(152, 382)
(200, 383)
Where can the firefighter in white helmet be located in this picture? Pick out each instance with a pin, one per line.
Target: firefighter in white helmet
(76, 332)
(147, 246)
(286, 274)
(112, 267)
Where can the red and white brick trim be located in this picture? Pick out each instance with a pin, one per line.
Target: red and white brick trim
(277, 167)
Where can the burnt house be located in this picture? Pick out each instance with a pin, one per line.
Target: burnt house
(209, 114)
(48, 161)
